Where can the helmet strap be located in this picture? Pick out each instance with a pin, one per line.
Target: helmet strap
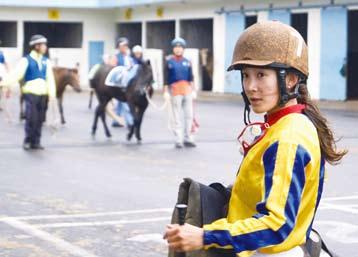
(284, 95)
(247, 109)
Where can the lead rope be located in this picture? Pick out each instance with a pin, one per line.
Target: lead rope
(154, 105)
(165, 105)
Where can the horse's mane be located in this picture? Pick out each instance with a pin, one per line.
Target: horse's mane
(142, 68)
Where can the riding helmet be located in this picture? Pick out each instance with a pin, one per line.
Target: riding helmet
(137, 49)
(122, 41)
(178, 42)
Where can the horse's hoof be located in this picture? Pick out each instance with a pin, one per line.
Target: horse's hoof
(109, 135)
(63, 122)
(139, 141)
(129, 137)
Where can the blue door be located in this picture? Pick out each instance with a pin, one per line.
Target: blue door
(96, 51)
(235, 25)
(333, 53)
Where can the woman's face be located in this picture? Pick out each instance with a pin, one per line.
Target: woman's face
(261, 88)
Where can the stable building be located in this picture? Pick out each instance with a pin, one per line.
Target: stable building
(82, 31)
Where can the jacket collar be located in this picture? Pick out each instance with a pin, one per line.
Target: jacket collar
(274, 117)
(178, 57)
(36, 55)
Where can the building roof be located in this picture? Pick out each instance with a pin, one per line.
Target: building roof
(82, 3)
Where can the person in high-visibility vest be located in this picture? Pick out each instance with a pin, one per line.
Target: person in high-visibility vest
(39, 87)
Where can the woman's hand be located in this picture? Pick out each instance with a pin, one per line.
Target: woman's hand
(184, 238)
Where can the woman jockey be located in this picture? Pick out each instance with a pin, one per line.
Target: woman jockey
(280, 180)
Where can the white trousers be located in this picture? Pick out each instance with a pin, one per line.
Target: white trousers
(295, 252)
(182, 105)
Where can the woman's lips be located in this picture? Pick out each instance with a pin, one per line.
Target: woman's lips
(255, 100)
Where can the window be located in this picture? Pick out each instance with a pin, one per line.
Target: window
(58, 34)
(8, 33)
(160, 34)
(250, 20)
(299, 22)
(132, 31)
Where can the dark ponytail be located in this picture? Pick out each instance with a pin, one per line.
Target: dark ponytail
(327, 141)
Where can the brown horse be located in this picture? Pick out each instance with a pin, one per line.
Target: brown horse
(63, 77)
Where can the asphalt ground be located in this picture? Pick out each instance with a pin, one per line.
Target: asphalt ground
(85, 196)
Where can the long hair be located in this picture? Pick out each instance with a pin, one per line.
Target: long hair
(326, 137)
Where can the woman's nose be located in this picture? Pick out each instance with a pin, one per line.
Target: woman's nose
(250, 85)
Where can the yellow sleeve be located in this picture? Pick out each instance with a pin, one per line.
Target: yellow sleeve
(284, 166)
(50, 80)
(16, 75)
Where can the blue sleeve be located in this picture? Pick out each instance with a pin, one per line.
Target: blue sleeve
(2, 58)
(166, 73)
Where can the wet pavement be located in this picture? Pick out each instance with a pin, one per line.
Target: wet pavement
(85, 196)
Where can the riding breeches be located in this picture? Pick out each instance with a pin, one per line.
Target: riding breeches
(182, 104)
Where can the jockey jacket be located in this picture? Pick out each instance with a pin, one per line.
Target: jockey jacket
(124, 60)
(36, 71)
(179, 74)
(277, 189)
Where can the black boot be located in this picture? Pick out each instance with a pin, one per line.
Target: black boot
(37, 147)
(189, 144)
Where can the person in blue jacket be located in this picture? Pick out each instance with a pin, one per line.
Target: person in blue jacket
(137, 54)
(179, 87)
(123, 59)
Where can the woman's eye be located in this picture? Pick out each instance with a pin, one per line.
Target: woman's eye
(244, 75)
(260, 74)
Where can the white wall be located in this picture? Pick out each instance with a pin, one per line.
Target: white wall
(219, 53)
(97, 25)
(314, 51)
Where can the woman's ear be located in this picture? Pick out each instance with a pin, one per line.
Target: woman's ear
(291, 80)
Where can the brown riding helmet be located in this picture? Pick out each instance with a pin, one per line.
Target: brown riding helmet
(273, 44)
